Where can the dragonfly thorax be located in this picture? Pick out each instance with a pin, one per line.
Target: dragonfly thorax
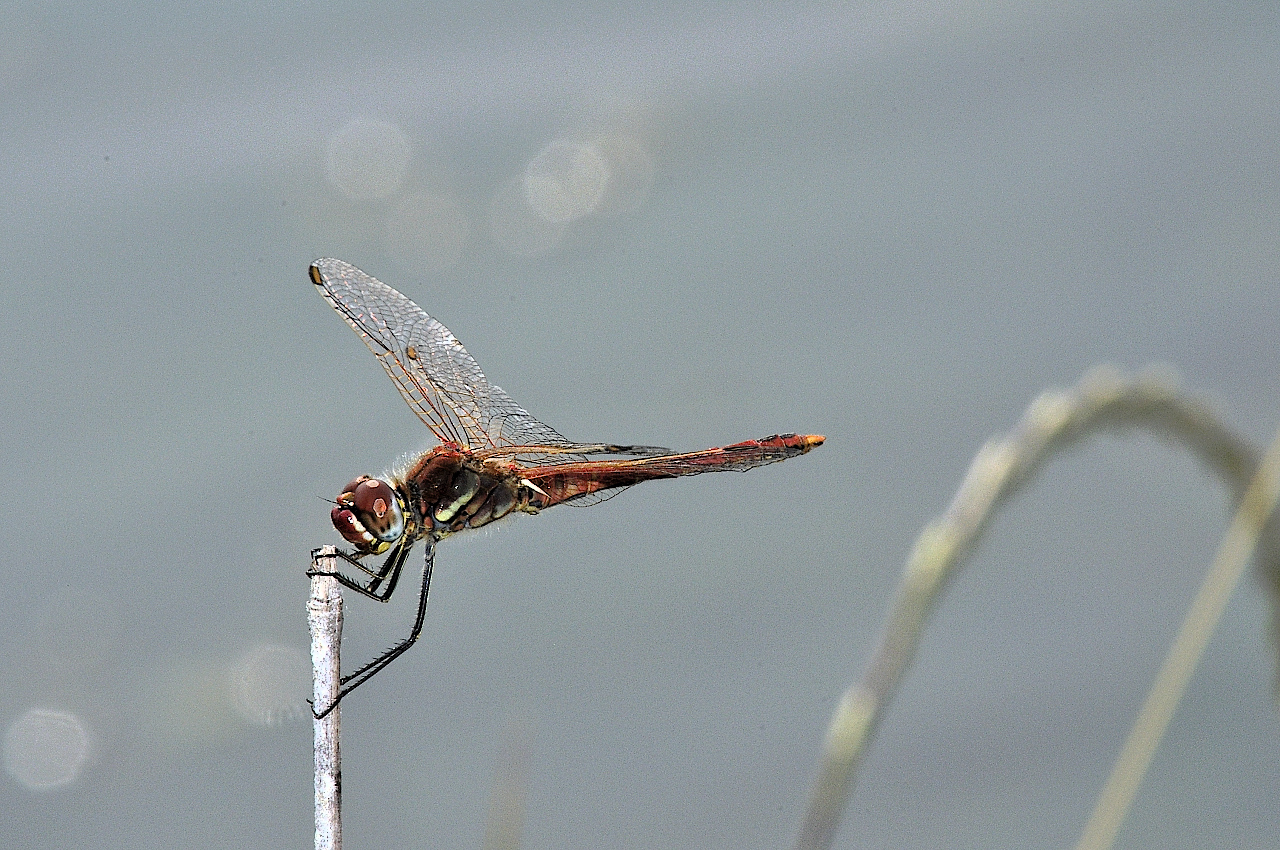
(451, 490)
(369, 515)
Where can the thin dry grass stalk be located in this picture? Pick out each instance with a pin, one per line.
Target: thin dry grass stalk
(1104, 399)
(1247, 526)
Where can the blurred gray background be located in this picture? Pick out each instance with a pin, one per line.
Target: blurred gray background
(676, 224)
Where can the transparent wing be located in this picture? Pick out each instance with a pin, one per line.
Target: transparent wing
(435, 374)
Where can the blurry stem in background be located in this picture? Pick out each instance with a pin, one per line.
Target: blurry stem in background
(1103, 399)
(507, 800)
(324, 618)
(1237, 545)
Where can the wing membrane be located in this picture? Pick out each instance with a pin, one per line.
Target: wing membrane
(434, 373)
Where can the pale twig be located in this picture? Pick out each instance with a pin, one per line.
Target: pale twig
(324, 617)
(1104, 398)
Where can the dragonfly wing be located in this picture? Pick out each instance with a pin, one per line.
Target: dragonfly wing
(435, 374)
(509, 424)
(586, 500)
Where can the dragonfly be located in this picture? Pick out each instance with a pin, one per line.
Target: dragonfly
(493, 460)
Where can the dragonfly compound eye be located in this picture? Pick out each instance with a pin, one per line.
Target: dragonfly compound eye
(369, 515)
(378, 508)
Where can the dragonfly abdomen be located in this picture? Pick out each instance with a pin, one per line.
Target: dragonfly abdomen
(567, 482)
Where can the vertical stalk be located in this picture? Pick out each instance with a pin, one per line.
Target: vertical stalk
(324, 618)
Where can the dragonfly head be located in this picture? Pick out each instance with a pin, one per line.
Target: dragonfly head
(369, 515)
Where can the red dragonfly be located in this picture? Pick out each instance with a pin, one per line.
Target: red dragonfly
(494, 459)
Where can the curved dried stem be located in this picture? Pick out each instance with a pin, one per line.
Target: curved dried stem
(1104, 399)
(1257, 504)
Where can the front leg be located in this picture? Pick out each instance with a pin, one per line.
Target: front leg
(351, 681)
(389, 572)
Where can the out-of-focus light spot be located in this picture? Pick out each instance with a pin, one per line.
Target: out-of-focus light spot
(608, 173)
(631, 172)
(566, 181)
(367, 159)
(270, 684)
(427, 230)
(46, 749)
(517, 228)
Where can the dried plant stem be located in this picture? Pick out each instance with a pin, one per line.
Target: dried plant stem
(324, 617)
(1233, 554)
(1103, 399)
(510, 789)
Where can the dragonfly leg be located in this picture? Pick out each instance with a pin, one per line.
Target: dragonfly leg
(388, 572)
(354, 680)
